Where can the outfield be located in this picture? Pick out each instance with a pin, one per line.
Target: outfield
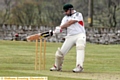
(102, 62)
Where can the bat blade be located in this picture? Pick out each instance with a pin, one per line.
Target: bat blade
(33, 37)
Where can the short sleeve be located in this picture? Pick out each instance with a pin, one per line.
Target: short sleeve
(77, 16)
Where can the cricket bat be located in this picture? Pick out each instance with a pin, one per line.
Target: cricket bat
(33, 37)
(40, 35)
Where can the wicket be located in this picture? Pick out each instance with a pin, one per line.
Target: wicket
(40, 58)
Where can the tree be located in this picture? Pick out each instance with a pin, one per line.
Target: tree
(46, 12)
(113, 7)
(26, 13)
(53, 12)
(5, 13)
(105, 13)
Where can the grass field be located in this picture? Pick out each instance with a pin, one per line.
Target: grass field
(102, 62)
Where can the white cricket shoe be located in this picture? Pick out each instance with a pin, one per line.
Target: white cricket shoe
(54, 68)
(78, 69)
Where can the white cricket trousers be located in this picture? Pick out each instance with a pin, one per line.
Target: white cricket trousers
(79, 41)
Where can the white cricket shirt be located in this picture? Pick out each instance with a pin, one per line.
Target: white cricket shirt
(77, 27)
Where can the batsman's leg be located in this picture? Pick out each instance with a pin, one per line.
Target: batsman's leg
(58, 61)
(60, 53)
(80, 49)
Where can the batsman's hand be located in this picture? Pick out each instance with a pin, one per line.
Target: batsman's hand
(57, 30)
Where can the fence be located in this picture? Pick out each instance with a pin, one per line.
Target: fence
(94, 35)
(103, 35)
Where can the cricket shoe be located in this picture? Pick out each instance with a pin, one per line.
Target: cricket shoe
(78, 69)
(54, 68)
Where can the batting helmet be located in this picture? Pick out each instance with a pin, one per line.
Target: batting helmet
(67, 7)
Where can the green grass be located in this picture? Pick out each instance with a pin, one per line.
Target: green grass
(102, 62)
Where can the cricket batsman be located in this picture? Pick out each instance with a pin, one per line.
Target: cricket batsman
(73, 22)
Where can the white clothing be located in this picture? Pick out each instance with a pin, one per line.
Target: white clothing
(71, 41)
(75, 36)
(77, 27)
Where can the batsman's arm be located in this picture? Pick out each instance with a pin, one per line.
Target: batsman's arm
(67, 24)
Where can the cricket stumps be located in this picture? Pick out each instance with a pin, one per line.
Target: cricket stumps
(40, 54)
